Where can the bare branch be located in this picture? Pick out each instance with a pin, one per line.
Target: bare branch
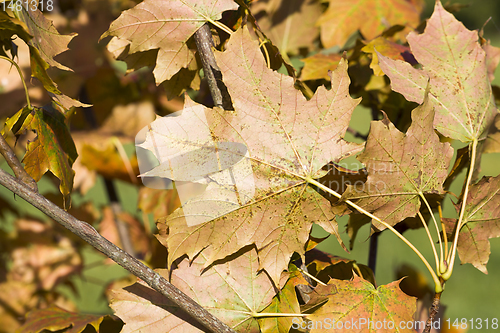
(122, 258)
(204, 44)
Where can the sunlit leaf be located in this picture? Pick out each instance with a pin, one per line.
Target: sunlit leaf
(370, 17)
(53, 149)
(166, 26)
(356, 302)
(231, 291)
(273, 141)
(454, 65)
(401, 168)
(482, 222)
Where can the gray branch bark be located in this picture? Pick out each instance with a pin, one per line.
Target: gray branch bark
(204, 44)
(122, 258)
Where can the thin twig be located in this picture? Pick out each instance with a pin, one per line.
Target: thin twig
(134, 266)
(15, 165)
(204, 44)
(372, 252)
(432, 312)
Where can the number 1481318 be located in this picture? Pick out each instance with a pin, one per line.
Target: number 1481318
(29, 5)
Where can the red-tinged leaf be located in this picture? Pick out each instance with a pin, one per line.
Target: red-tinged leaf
(482, 222)
(270, 145)
(492, 142)
(288, 23)
(352, 303)
(53, 149)
(387, 48)
(232, 291)
(455, 67)
(401, 168)
(55, 319)
(492, 59)
(370, 17)
(166, 26)
(317, 66)
(285, 302)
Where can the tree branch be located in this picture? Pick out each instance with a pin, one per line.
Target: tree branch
(432, 312)
(91, 236)
(15, 165)
(204, 44)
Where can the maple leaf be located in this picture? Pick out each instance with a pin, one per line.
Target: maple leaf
(401, 168)
(232, 291)
(44, 46)
(288, 23)
(317, 66)
(53, 149)
(371, 17)
(285, 302)
(481, 222)
(357, 301)
(275, 139)
(454, 65)
(46, 38)
(166, 25)
(55, 319)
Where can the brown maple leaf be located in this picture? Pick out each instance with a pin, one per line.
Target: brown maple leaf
(264, 154)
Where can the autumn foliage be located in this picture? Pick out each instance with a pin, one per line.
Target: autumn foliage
(229, 193)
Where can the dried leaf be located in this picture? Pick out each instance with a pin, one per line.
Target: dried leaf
(274, 140)
(44, 46)
(482, 222)
(56, 319)
(455, 67)
(231, 291)
(401, 168)
(166, 26)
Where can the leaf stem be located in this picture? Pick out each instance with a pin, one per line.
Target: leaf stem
(22, 79)
(432, 243)
(443, 263)
(441, 253)
(271, 314)
(453, 250)
(266, 53)
(312, 277)
(437, 283)
(220, 26)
